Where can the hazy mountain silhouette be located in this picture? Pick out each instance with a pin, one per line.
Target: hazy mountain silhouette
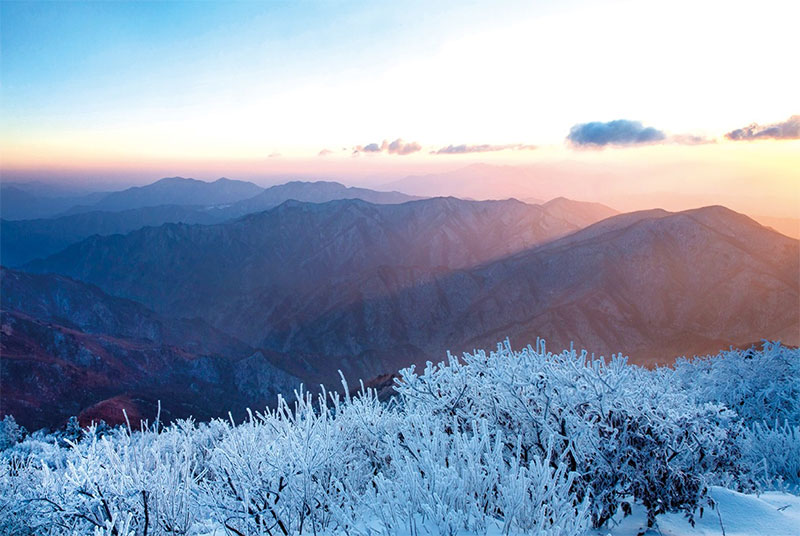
(19, 203)
(531, 182)
(578, 213)
(175, 191)
(476, 181)
(24, 240)
(53, 189)
(311, 192)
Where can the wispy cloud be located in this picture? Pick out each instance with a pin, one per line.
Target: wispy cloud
(274, 155)
(401, 148)
(787, 130)
(618, 132)
(689, 139)
(398, 147)
(325, 152)
(484, 148)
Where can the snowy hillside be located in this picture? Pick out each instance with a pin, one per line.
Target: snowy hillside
(505, 442)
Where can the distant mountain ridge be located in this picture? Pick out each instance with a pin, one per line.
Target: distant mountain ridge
(24, 240)
(195, 202)
(475, 181)
(43, 201)
(175, 191)
(234, 198)
(17, 203)
(311, 192)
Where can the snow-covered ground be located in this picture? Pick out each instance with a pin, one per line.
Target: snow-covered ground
(737, 514)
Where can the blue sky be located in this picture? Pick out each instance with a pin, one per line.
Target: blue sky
(147, 89)
(79, 60)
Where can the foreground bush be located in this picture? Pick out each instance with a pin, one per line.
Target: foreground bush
(533, 442)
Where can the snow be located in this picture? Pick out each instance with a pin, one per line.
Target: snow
(770, 514)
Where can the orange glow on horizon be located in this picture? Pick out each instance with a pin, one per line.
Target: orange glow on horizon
(760, 177)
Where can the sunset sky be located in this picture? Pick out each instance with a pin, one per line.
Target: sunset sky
(129, 92)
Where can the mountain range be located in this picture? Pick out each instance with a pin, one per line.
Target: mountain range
(653, 285)
(245, 275)
(575, 179)
(22, 240)
(367, 288)
(219, 306)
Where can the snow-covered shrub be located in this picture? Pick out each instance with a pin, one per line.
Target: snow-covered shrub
(463, 479)
(71, 433)
(149, 476)
(18, 480)
(530, 441)
(622, 428)
(759, 385)
(142, 481)
(774, 453)
(290, 470)
(762, 387)
(439, 474)
(11, 433)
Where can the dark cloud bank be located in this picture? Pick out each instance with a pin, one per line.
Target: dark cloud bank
(618, 132)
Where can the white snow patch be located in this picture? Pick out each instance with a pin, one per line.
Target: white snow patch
(768, 514)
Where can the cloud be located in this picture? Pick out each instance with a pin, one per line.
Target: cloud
(689, 139)
(274, 155)
(485, 148)
(618, 132)
(787, 130)
(325, 152)
(402, 148)
(398, 147)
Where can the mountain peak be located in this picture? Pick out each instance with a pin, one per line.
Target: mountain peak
(170, 180)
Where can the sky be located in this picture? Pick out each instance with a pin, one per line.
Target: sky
(127, 92)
